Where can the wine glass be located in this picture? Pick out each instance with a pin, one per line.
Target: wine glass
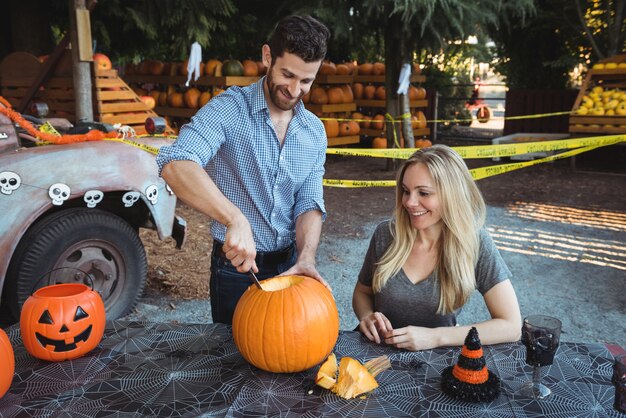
(540, 335)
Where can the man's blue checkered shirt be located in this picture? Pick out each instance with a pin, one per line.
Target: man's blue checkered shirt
(233, 138)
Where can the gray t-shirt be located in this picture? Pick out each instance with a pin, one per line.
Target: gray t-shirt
(405, 303)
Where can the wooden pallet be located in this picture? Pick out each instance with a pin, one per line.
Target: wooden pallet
(613, 78)
(116, 102)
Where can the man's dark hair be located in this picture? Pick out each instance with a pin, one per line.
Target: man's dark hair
(303, 36)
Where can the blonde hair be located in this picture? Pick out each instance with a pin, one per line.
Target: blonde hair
(463, 215)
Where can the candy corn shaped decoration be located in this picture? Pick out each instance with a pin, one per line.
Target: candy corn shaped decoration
(469, 379)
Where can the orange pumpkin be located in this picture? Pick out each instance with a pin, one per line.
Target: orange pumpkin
(420, 120)
(7, 359)
(319, 96)
(327, 68)
(102, 61)
(355, 128)
(62, 321)
(378, 68)
(379, 142)
(331, 126)
(380, 93)
(378, 122)
(148, 101)
(343, 69)
(365, 68)
(348, 96)
(192, 98)
(420, 93)
(288, 326)
(250, 68)
(357, 90)
(175, 99)
(423, 143)
(204, 98)
(210, 66)
(369, 92)
(335, 95)
(344, 129)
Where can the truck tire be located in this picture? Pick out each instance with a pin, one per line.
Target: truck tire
(59, 248)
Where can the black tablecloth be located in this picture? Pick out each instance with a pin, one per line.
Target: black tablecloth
(149, 369)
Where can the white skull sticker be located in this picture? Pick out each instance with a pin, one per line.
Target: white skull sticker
(130, 198)
(93, 197)
(152, 193)
(9, 182)
(59, 193)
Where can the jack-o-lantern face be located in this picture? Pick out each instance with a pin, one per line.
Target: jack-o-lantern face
(62, 322)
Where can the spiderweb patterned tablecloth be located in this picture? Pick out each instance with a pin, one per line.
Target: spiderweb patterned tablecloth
(173, 370)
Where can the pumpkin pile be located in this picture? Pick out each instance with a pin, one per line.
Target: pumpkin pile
(351, 378)
(289, 325)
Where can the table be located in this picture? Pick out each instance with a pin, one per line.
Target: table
(181, 370)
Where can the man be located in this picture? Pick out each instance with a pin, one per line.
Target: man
(253, 160)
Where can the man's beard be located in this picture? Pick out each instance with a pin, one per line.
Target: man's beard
(276, 97)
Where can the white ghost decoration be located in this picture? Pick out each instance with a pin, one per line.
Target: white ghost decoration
(59, 193)
(152, 193)
(9, 182)
(130, 198)
(93, 197)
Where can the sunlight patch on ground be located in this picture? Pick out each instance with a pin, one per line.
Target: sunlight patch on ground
(537, 242)
(602, 219)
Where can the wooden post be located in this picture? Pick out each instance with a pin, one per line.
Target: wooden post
(80, 36)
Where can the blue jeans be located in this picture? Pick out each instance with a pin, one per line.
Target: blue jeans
(227, 284)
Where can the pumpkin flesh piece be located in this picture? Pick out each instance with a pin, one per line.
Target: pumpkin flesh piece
(327, 374)
(353, 380)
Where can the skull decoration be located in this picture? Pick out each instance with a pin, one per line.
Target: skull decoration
(130, 198)
(152, 193)
(62, 321)
(9, 182)
(93, 197)
(59, 193)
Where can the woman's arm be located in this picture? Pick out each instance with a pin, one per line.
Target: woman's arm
(372, 324)
(504, 326)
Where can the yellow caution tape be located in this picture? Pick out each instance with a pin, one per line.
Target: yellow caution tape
(576, 146)
(150, 149)
(487, 151)
(49, 129)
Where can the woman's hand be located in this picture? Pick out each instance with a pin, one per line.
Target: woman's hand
(413, 338)
(374, 326)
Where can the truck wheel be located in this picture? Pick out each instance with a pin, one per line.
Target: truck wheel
(60, 248)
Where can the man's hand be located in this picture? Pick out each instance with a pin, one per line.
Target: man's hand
(302, 268)
(239, 246)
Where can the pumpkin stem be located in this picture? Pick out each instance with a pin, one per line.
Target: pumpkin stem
(377, 365)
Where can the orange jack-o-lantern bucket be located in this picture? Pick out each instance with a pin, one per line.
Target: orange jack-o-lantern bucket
(7, 360)
(62, 321)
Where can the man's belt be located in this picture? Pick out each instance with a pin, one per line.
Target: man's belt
(263, 258)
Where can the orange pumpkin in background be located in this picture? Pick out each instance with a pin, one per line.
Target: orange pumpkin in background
(357, 90)
(148, 101)
(191, 98)
(335, 95)
(331, 126)
(62, 322)
(319, 95)
(7, 359)
(423, 143)
(102, 62)
(288, 326)
(204, 98)
(379, 142)
(250, 68)
(210, 66)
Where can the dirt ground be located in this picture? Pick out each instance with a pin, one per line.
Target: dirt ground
(183, 274)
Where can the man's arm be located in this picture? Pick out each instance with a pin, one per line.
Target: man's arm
(308, 231)
(192, 185)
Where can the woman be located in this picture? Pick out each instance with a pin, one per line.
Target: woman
(422, 266)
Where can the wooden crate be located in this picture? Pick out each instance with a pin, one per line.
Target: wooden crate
(114, 101)
(608, 78)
